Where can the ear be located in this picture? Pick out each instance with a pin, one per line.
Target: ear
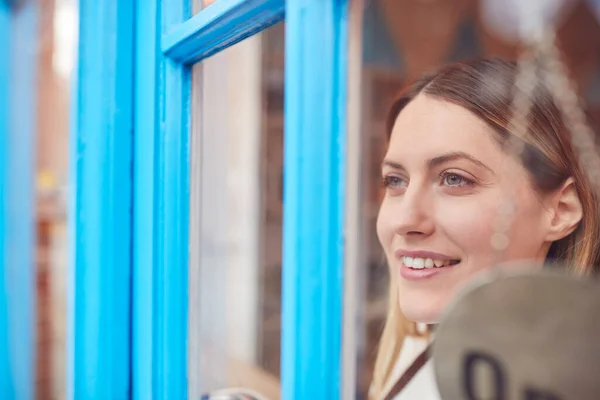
(566, 211)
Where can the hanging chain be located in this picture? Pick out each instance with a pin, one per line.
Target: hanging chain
(583, 138)
(542, 59)
(525, 83)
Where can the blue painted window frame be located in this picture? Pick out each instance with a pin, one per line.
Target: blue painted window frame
(18, 89)
(142, 157)
(100, 201)
(314, 198)
(161, 192)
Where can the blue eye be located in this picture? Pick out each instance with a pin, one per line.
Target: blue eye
(392, 182)
(454, 180)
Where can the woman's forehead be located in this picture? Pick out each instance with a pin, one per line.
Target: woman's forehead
(428, 126)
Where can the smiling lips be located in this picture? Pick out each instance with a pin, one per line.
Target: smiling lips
(420, 263)
(423, 264)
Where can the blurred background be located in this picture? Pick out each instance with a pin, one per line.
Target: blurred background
(56, 57)
(237, 165)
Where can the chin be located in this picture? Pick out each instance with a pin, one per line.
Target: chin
(420, 313)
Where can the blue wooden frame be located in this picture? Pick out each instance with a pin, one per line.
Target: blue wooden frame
(313, 232)
(18, 36)
(100, 216)
(6, 380)
(161, 208)
(157, 189)
(6, 375)
(147, 132)
(311, 361)
(220, 25)
(161, 176)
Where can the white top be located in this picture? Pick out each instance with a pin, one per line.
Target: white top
(422, 386)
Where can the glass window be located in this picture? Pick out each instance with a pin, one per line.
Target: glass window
(236, 217)
(57, 48)
(404, 39)
(198, 5)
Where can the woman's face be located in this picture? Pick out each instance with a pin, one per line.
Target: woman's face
(446, 179)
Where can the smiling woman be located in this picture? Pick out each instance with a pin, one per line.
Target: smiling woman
(447, 172)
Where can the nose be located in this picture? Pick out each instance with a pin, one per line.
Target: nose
(414, 216)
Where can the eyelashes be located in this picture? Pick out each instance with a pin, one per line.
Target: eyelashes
(453, 179)
(449, 179)
(392, 181)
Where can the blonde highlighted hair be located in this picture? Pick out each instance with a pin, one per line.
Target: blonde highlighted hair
(484, 87)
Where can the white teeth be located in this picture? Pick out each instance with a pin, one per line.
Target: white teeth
(420, 263)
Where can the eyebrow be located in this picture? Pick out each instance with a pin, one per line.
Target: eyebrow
(444, 158)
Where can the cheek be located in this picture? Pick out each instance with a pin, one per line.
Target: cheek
(468, 223)
(385, 230)
(471, 224)
(528, 231)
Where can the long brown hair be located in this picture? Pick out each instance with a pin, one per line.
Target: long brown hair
(485, 88)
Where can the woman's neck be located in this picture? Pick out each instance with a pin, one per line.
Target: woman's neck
(424, 328)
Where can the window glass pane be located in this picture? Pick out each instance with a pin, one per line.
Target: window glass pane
(57, 48)
(401, 41)
(236, 214)
(198, 5)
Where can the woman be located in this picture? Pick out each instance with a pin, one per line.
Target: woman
(446, 174)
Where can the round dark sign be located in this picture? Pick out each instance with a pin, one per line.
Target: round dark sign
(528, 336)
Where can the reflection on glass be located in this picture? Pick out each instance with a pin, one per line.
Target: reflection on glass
(57, 40)
(404, 39)
(198, 5)
(236, 214)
